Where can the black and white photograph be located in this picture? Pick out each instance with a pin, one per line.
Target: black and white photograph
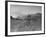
(25, 18)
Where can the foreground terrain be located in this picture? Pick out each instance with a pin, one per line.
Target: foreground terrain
(29, 23)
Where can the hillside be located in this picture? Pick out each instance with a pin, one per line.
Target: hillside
(26, 23)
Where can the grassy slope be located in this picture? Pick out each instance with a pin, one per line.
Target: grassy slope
(20, 25)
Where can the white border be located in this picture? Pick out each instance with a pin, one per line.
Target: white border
(30, 32)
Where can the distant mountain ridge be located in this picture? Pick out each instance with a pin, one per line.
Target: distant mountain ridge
(37, 15)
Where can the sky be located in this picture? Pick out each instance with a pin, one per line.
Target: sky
(21, 10)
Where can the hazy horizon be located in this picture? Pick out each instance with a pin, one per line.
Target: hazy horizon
(21, 10)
